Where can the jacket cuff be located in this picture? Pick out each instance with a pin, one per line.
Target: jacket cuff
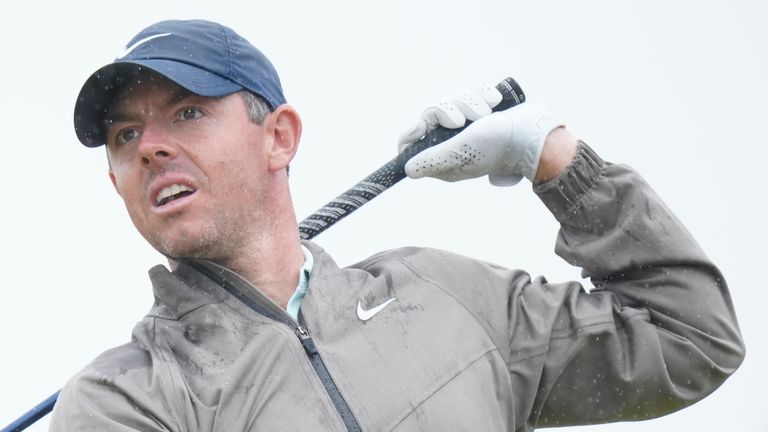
(564, 192)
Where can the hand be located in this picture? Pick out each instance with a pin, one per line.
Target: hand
(505, 145)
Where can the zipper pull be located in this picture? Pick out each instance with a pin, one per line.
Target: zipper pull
(306, 340)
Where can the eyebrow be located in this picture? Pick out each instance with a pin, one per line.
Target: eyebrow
(116, 116)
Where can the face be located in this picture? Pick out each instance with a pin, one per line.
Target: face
(196, 175)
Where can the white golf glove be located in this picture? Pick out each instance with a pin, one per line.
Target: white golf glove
(506, 146)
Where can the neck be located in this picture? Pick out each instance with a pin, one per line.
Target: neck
(272, 265)
(270, 256)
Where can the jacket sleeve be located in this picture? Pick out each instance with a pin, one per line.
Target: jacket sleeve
(116, 392)
(657, 333)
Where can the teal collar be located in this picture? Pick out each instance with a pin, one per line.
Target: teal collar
(294, 303)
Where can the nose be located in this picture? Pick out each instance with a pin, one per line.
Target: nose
(155, 148)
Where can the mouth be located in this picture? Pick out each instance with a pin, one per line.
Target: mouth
(172, 193)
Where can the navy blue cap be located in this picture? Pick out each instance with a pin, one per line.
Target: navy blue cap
(204, 57)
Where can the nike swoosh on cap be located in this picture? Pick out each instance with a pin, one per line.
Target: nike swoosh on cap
(138, 43)
(365, 315)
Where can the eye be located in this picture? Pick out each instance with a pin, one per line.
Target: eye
(189, 113)
(126, 135)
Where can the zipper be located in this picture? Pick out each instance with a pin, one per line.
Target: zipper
(325, 377)
(274, 312)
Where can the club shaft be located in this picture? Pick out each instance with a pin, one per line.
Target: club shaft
(393, 171)
(32, 415)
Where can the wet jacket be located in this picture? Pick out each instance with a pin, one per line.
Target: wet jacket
(466, 346)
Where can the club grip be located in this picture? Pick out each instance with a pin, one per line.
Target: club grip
(394, 170)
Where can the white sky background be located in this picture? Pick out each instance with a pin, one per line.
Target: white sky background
(678, 92)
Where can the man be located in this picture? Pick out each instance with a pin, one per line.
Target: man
(255, 330)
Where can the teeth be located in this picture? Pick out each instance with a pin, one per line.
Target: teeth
(170, 191)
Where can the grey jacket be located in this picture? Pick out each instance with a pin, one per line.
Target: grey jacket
(466, 345)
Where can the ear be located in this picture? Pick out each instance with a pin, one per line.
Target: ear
(114, 181)
(284, 125)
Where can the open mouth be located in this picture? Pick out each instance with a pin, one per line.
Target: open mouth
(171, 193)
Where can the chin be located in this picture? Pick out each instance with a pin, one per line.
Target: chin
(191, 245)
(209, 239)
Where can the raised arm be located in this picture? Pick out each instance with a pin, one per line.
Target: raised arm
(656, 334)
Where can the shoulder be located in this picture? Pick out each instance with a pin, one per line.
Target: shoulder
(431, 263)
(409, 254)
(403, 259)
(111, 367)
(121, 384)
(96, 389)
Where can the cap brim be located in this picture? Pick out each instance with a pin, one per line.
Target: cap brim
(106, 83)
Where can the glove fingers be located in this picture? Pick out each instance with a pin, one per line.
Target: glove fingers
(444, 113)
(489, 93)
(471, 104)
(411, 135)
(452, 112)
(467, 104)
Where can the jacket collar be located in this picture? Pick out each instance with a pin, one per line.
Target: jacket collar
(195, 283)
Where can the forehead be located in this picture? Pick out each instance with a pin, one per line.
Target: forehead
(147, 87)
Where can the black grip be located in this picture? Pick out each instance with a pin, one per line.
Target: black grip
(394, 170)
